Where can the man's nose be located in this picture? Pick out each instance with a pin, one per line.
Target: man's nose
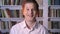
(31, 11)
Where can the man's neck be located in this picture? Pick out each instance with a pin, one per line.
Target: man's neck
(30, 24)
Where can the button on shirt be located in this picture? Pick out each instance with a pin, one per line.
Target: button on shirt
(21, 28)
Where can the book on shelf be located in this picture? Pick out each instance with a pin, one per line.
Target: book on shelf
(49, 12)
(11, 13)
(0, 2)
(6, 24)
(7, 2)
(3, 26)
(6, 33)
(49, 2)
(0, 24)
(21, 2)
(7, 13)
(59, 24)
(56, 2)
(18, 13)
(0, 13)
(18, 3)
(55, 32)
(55, 25)
(49, 25)
(53, 2)
(54, 13)
(13, 2)
(21, 14)
(40, 13)
(15, 13)
(58, 12)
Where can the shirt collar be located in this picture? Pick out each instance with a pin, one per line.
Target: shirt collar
(24, 25)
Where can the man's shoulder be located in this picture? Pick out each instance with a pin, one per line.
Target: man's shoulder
(18, 25)
(42, 27)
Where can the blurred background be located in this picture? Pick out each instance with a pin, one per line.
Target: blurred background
(11, 14)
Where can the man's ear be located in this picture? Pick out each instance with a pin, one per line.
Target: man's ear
(37, 13)
(22, 12)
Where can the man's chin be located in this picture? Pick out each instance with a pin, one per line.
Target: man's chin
(31, 19)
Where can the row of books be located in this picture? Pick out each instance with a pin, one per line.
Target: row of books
(6, 24)
(17, 2)
(54, 2)
(12, 2)
(4, 33)
(10, 13)
(55, 33)
(55, 25)
(54, 13)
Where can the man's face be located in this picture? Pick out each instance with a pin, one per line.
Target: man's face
(29, 11)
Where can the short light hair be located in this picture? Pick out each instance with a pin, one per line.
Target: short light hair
(30, 1)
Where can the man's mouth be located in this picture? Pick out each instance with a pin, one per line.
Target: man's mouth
(30, 15)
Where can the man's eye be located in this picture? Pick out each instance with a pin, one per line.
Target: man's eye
(27, 9)
(33, 9)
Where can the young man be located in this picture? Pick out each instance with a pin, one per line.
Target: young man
(29, 25)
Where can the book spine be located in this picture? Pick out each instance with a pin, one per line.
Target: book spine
(49, 2)
(11, 2)
(0, 25)
(16, 2)
(20, 14)
(6, 14)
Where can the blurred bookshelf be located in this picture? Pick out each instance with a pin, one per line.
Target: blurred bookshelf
(54, 16)
(48, 15)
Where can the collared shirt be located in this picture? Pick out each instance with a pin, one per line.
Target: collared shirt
(21, 28)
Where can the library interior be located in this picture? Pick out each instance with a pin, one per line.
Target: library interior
(11, 14)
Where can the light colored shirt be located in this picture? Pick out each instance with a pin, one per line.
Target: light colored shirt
(21, 28)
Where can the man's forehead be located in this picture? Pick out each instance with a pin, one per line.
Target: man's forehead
(30, 5)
